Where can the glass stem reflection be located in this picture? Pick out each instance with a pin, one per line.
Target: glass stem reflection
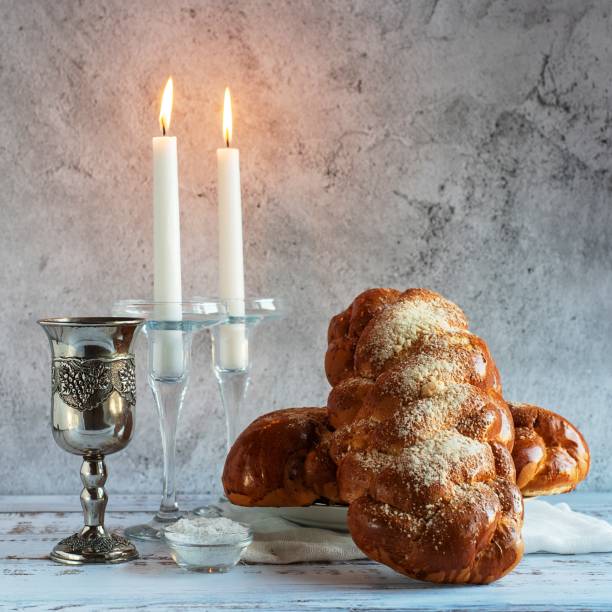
(233, 386)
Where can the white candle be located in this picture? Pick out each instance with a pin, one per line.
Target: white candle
(233, 349)
(167, 346)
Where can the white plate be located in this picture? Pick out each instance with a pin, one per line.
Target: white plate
(319, 515)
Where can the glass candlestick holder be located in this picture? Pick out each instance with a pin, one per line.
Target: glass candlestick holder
(169, 329)
(232, 344)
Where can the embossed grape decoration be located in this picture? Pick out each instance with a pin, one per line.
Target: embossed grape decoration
(85, 383)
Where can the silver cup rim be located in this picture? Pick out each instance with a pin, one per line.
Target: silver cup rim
(89, 321)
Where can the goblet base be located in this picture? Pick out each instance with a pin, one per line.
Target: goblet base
(93, 545)
(152, 530)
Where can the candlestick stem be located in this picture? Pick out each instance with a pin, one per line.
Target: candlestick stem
(170, 342)
(232, 362)
(169, 396)
(233, 386)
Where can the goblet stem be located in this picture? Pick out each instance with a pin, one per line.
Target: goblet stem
(93, 495)
(169, 396)
(93, 544)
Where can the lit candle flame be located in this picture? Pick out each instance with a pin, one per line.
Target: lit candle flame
(166, 107)
(227, 117)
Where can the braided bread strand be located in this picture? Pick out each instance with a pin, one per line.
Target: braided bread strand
(550, 454)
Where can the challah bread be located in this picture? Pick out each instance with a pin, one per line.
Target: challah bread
(550, 454)
(280, 460)
(425, 464)
(416, 438)
(265, 466)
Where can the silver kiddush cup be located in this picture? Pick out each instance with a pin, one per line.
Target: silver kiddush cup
(93, 398)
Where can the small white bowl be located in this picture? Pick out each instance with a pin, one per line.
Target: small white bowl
(211, 558)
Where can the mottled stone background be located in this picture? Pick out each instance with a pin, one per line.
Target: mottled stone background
(462, 146)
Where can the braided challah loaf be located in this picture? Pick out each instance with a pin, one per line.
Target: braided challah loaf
(416, 438)
(425, 461)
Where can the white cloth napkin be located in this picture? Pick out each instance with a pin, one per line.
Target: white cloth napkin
(556, 528)
(552, 528)
(279, 541)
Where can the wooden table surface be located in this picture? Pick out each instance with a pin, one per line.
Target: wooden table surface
(30, 526)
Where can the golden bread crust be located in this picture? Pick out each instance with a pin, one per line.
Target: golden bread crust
(345, 330)
(550, 454)
(278, 460)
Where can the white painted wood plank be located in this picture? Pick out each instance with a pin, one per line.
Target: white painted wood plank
(70, 503)
(28, 578)
(540, 582)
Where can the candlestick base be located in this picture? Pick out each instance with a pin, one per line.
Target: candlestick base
(169, 369)
(232, 343)
(151, 531)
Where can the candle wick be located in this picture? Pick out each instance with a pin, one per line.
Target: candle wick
(163, 128)
(227, 143)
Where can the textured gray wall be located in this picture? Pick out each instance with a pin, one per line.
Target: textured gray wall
(462, 146)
